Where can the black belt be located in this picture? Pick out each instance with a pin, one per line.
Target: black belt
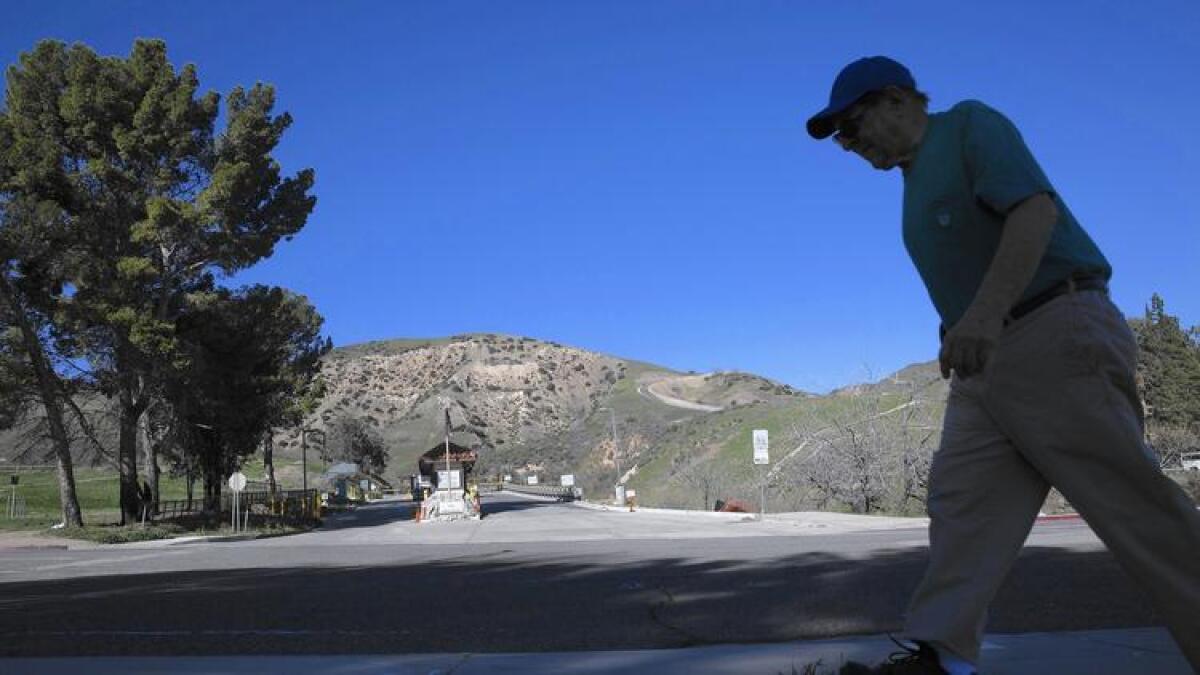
(1061, 288)
(1069, 285)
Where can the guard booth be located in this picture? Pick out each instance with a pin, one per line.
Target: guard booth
(448, 478)
(441, 476)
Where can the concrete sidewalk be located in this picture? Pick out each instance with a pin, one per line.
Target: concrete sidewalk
(1102, 652)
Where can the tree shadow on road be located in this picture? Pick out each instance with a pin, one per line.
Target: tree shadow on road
(508, 599)
(369, 515)
(383, 513)
(497, 507)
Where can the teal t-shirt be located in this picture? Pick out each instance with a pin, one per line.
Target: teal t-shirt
(972, 168)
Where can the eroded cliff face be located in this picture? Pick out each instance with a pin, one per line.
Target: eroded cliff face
(501, 390)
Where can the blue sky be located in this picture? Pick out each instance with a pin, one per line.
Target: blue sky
(634, 177)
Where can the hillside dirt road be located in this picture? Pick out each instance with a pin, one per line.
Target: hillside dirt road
(655, 390)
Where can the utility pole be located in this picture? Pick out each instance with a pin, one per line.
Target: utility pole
(445, 401)
(612, 418)
(304, 458)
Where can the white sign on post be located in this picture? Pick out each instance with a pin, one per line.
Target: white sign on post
(760, 447)
(531, 480)
(237, 482)
(567, 480)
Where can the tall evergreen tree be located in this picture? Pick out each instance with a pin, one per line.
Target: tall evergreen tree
(1169, 366)
(250, 354)
(156, 204)
(351, 439)
(29, 292)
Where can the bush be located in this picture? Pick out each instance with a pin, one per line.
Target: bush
(119, 535)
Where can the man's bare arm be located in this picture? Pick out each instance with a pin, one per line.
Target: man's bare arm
(1027, 230)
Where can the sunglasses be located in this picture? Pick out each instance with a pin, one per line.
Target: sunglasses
(850, 125)
(848, 128)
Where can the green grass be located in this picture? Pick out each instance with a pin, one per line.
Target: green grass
(724, 438)
(118, 534)
(114, 534)
(98, 492)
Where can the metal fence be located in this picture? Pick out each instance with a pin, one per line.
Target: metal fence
(172, 508)
(563, 494)
(26, 468)
(262, 505)
(14, 504)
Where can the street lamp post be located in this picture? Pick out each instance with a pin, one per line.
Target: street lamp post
(304, 431)
(612, 418)
(445, 401)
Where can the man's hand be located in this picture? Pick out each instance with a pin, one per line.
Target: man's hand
(1027, 230)
(967, 346)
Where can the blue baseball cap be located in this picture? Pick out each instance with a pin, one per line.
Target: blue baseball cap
(855, 81)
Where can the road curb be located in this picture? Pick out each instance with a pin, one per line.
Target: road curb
(1060, 516)
(675, 512)
(35, 547)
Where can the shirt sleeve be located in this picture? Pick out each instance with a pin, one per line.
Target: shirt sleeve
(1002, 171)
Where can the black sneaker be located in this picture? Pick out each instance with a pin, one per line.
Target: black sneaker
(920, 661)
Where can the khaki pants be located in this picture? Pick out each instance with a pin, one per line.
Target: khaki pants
(1057, 405)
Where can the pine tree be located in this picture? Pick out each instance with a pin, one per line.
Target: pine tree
(250, 356)
(29, 293)
(1169, 366)
(155, 204)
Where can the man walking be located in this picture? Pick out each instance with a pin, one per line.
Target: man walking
(1041, 362)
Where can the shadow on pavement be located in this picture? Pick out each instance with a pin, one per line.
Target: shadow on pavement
(369, 515)
(383, 513)
(493, 506)
(484, 600)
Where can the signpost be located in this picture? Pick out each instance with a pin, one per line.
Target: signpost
(237, 483)
(760, 447)
(761, 457)
(12, 498)
(567, 480)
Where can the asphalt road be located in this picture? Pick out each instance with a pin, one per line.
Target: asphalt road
(531, 576)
